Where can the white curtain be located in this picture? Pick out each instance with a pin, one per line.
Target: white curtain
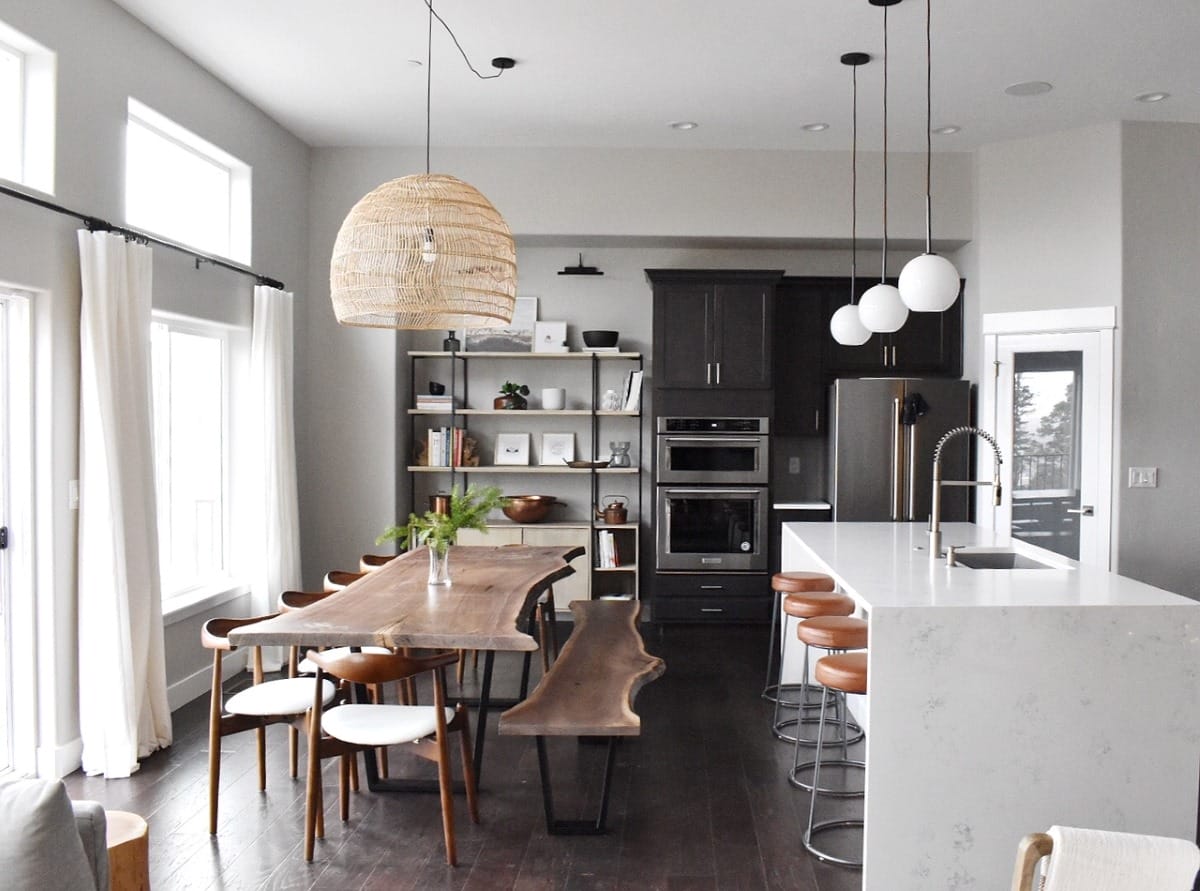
(275, 512)
(123, 711)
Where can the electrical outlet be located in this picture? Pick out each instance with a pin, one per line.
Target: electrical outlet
(72, 494)
(1143, 477)
(794, 464)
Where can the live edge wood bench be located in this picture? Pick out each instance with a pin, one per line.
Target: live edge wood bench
(589, 691)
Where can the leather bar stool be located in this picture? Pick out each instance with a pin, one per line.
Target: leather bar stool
(787, 583)
(835, 634)
(840, 674)
(804, 606)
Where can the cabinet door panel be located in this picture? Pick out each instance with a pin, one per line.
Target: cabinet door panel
(494, 537)
(742, 342)
(573, 587)
(801, 336)
(682, 326)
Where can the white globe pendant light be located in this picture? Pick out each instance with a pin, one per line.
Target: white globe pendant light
(846, 325)
(880, 308)
(929, 283)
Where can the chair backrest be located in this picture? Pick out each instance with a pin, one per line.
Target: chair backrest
(1098, 860)
(215, 632)
(378, 668)
(337, 579)
(371, 562)
(293, 600)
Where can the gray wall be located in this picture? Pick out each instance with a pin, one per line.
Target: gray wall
(105, 56)
(1161, 368)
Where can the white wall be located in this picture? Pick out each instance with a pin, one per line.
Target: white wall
(105, 56)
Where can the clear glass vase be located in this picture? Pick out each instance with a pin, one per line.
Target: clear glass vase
(439, 562)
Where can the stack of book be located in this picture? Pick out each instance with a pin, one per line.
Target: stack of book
(429, 402)
(444, 447)
(606, 545)
(631, 395)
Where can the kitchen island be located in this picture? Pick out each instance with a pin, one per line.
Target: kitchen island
(1004, 701)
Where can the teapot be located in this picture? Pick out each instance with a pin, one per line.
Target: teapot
(615, 511)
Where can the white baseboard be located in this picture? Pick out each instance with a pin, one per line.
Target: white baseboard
(56, 762)
(199, 683)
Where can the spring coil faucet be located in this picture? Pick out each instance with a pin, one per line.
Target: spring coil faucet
(935, 517)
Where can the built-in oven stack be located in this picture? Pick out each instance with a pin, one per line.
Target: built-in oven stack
(711, 517)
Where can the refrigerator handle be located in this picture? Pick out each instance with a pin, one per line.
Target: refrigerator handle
(912, 472)
(897, 461)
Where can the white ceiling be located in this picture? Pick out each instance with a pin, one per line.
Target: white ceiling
(612, 73)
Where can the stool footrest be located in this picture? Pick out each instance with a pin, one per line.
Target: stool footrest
(825, 855)
(795, 780)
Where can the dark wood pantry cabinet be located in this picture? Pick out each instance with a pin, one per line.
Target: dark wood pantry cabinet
(713, 328)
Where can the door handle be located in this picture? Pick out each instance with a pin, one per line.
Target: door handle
(718, 374)
(1085, 510)
(711, 609)
(708, 373)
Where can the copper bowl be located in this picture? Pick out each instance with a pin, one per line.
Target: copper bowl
(529, 508)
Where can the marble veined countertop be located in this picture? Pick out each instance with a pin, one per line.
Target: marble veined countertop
(887, 565)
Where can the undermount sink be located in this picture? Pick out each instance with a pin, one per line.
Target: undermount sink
(997, 560)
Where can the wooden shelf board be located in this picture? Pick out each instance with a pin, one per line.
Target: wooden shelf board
(583, 354)
(520, 468)
(614, 568)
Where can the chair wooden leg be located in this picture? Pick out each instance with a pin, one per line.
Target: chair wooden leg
(261, 734)
(354, 774)
(312, 793)
(461, 668)
(468, 765)
(343, 785)
(445, 787)
(214, 743)
(293, 752)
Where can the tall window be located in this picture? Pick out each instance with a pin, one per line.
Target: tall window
(190, 371)
(183, 188)
(26, 111)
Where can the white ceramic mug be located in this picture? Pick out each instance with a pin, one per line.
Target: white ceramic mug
(554, 398)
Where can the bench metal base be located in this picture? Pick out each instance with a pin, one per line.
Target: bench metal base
(575, 827)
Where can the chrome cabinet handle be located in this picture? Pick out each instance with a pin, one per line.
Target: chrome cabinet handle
(1086, 510)
(893, 357)
(708, 373)
(711, 609)
(718, 374)
(712, 587)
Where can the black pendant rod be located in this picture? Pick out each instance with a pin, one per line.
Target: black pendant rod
(95, 224)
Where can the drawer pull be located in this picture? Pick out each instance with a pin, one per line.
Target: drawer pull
(711, 609)
(712, 587)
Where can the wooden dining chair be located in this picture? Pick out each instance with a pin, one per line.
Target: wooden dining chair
(372, 562)
(346, 729)
(259, 705)
(337, 579)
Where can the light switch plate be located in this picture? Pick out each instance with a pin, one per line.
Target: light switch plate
(1143, 477)
(794, 464)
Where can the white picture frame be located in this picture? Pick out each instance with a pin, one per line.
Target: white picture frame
(557, 449)
(516, 337)
(512, 449)
(550, 337)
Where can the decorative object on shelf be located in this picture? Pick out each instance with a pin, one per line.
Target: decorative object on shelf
(620, 454)
(601, 340)
(516, 337)
(580, 269)
(451, 344)
(512, 448)
(557, 448)
(614, 512)
(846, 324)
(587, 465)
(928, 283)
(529, 508)
(439, 530)
(437, 389)
(424, 251)
(464, 448)
(631, 399)
(439, 503)
(550, 337)
(554, 398)
(610, 401)
(881, 309)
(512, 397)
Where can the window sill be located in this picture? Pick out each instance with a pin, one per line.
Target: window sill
(199, 600)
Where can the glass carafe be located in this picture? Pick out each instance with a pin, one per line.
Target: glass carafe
(620, 454)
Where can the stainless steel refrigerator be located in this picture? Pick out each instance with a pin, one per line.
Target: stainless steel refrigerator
(882, 435)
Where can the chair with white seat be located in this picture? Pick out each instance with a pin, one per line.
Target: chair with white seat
(259, 705)
(346, 729)
(1105, 861)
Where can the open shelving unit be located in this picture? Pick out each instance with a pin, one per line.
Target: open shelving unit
(589, 420)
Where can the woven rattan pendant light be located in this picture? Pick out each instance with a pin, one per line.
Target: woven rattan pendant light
(426, 251)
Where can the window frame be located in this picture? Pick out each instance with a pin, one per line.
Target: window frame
(37, 112)
(239, 218)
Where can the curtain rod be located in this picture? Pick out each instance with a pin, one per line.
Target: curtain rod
(95, 224)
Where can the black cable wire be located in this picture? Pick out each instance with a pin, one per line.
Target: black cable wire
(883, 269)
(463, 52)
(854, 185)
(928, 131)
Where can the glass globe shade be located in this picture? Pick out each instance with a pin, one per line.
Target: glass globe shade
(929, 283)
(847, 328)
(882, 310)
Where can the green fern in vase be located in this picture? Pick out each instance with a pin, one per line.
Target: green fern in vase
(468, 510)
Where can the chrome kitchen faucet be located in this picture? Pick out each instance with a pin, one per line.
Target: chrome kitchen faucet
(935, 517)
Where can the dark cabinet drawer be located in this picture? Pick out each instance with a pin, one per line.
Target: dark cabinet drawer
(711, 585)
(712, 609)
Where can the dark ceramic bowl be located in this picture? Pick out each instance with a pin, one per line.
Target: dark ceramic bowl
(600, 338)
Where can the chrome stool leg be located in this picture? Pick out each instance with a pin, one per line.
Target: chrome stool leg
(814, 827)
(844, 739)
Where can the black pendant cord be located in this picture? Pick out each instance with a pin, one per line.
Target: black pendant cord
(854, 185)
(928, 131)
(883, 262)
(95, 224)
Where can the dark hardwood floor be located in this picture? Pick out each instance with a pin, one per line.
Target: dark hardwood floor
(700, 800)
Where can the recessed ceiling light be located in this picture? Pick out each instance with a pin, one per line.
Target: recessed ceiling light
(1029, 88)
(683, 125)
(1152, 97)
(815, 127)
(948, 130)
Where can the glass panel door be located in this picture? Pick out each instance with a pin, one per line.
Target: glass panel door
(5, 562)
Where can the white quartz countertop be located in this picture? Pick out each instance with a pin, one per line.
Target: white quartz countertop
(886, 565)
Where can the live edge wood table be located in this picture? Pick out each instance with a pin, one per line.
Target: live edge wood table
(492, 597)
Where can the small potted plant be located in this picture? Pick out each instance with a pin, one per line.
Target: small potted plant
(437, 531)
(512, 397)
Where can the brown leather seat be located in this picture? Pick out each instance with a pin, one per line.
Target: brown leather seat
(800, 582)
(834, 632)
(818, 603)
(846, 672)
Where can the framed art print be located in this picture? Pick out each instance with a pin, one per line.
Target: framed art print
(557, 449)
(512, 448)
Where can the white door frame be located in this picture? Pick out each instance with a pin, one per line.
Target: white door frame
(1101, 320)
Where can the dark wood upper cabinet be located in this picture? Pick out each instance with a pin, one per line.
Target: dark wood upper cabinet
(713, 328)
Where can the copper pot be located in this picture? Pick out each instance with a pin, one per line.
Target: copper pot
(529, 508)
(616, 511)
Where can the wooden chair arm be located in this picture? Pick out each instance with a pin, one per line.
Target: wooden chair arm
(1032, 848)
(215, 633)
(379, 668)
